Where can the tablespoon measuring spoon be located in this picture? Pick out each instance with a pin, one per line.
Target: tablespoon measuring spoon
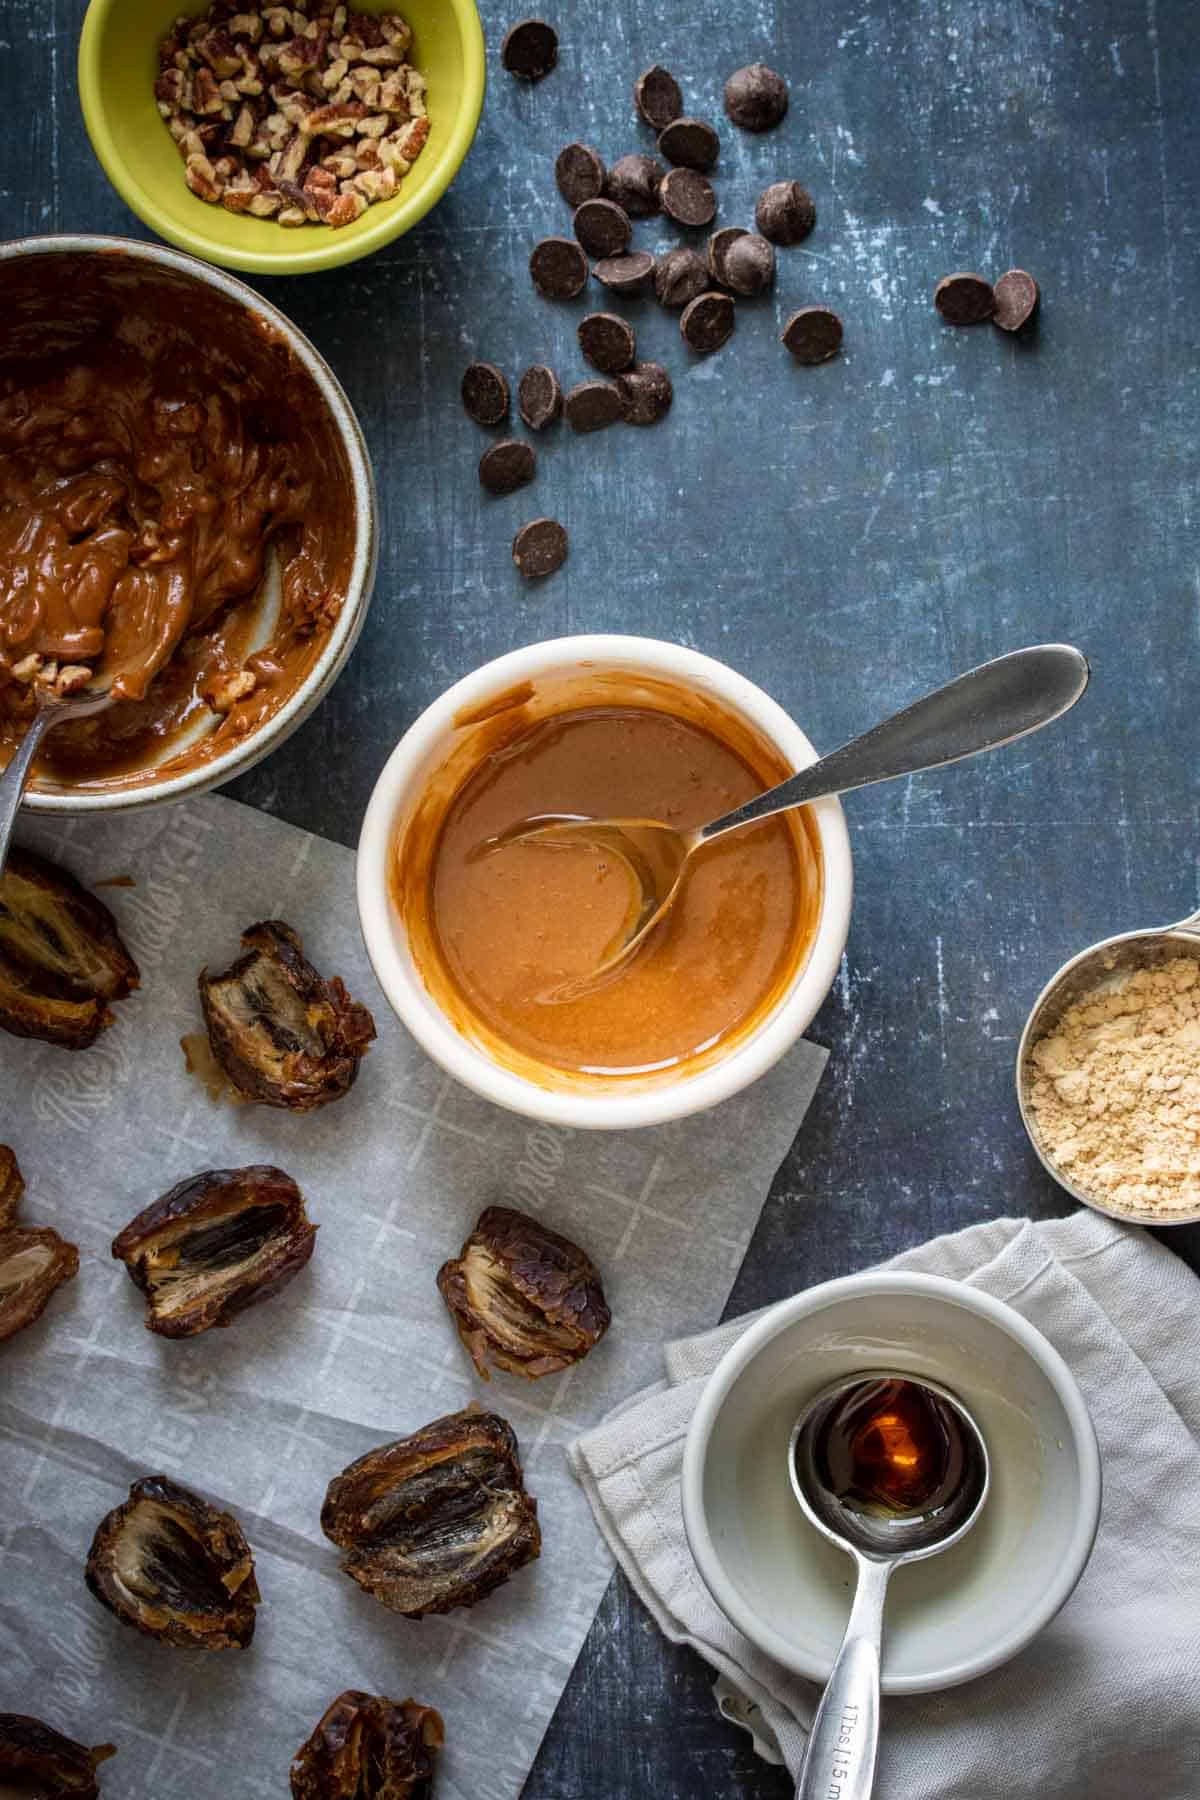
(865, 1416)
(991, 705)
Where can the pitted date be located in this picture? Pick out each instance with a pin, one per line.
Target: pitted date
(37, 1761)
(172, 1566)
(282, 1034)
(523, 1297)
(368, 1748)
(12, 1186)
(214, 1245)
(34, 1260)
(438, 1519)
(62, 962)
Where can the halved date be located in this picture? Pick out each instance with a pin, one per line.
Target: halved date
(523, 1297)
(34, 1261)
(369, 1748)
(172, 1566)
(62, 962)
(39, 1762)
(216, 1244)
(438, 1519)
(12, 1185)
(283, 1035)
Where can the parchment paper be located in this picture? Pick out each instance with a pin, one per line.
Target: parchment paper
(358, 1350)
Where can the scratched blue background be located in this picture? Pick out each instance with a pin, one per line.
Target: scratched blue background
(846, 536)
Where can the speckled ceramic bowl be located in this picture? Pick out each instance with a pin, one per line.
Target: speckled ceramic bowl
(243, 754)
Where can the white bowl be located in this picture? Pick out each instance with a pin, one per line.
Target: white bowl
(623, 1102)
(959, 1614)
(243, 754)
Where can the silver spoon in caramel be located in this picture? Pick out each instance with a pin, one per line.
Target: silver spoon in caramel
(53, 709)
(991, 705)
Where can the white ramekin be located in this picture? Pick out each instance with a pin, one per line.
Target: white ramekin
(959, 1614)
(612, 1105)
(243, 754)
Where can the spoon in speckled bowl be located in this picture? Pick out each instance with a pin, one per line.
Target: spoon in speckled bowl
(991, 705)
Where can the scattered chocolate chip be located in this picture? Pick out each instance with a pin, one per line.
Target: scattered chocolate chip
(592, 405)
(633, 184)
(689, 144)
(718, 246)
(602, 227)
(540, 548)
(657, 97)
(1016, 296)
(506, 466)
(530, 50)
(679, 276)
(707, 322)
(646, 394)
(579, 172)
(756, 97)
(747, 264)
(485, 393)
(539, 397)
(785, 212)
(626, 274)
(607, 342)
(688, 197)
(813, 334)
(964, 299)
(559, 268)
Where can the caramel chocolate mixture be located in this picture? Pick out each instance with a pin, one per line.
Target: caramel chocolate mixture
(511, 927)
(156, 443)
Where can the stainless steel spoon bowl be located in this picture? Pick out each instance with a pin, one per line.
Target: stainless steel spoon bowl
(991, 705)
(844, 1741)
(1091, 969)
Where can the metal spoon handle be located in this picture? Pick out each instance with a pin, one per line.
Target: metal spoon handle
(991, 705)
(12, 781)
(844, 1740)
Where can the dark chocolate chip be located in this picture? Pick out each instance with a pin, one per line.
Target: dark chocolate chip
(785, 212)
(559, 268)
(485, 393)
(718, 245)
(633, 184)
(813, 334)
(964, 299)
(506, 466)
(607, 342)
(706, 322)
(689, 144)
(688, 196)
(591, 405)
(627, 274)
(646, 394)
(579, 173)
(657, 97)
(747, 264)
(602, 227)
(756, 97)
(1017, 296)
(530, 49)
(539, 397)
(679, 276)
(539, 548)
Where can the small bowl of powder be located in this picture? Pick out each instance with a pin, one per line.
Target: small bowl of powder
(1108, 1076)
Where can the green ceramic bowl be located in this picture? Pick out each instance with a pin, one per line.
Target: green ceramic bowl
(118, 62)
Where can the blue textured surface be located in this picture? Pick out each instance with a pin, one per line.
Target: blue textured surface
(846, 536)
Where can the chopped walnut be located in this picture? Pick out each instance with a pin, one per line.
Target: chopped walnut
(261, 99)
(224, 693)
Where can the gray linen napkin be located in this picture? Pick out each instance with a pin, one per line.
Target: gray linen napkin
(1106, 1702)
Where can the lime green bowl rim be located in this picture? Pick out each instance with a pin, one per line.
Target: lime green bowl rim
(396, 216)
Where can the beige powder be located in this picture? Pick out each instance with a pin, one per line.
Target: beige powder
(1115, 1092)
